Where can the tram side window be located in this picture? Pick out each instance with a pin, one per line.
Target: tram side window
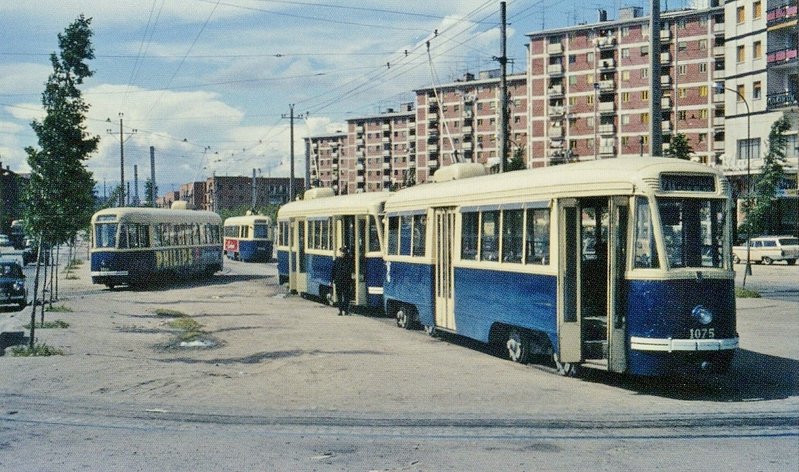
(393, 235)
(489, 236)
(374, 238)
(537, 248)
(419, 232)
(105, 235)
(260, 230)
(646, 255)
(512, 235)
(326, 234)
(197, 239)
(469, 234)
(406, 227)
(283, 233)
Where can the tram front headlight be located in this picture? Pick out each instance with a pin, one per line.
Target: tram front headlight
(702, 314)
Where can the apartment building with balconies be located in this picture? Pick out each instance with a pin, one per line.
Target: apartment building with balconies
(325, 154)
(379, 150)
(762, 85)
(589, 86)
(460, 122)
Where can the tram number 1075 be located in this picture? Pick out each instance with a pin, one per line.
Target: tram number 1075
(702, 333)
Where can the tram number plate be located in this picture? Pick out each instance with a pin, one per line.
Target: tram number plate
(702, 333)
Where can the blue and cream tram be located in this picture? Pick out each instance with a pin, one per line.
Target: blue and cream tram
(311, 230)
(137, 246)
(248, 238)
(620, 264)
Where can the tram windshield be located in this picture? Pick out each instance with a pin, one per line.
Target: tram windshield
(261, 230)
(105, 235)
(693, 231)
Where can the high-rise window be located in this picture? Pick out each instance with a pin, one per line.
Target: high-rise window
(757, 10)
(740, 54)
(757, 50)
(757, 90)
(740, 15)
(741, 91)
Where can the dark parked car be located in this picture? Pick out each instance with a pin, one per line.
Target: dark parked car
(12, 285)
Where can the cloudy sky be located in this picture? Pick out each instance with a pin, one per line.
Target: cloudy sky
(206, 82)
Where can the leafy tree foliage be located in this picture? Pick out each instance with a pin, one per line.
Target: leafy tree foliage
(60, 198)
(679, 147)
(759, 205)
(517, 160)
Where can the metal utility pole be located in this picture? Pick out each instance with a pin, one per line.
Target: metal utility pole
(153, 190)
(254, 195)
(135, 185)
(292, 190)
(121, 156)
(308, 164)
(655, 113)
(503, 89)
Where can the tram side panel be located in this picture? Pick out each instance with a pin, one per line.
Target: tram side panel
(411, 284)
(375, 277)
(320, 269)
(283, 265)
(486, 297)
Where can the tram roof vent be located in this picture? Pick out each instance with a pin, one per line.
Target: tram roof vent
(461, 170)
(319, 192)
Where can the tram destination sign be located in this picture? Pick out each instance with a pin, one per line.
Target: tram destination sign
(687, 183)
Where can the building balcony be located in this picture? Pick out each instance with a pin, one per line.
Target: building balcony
(555, 132)
(718, 51)
(555, 91)
(432, 99)
(607, 151)
(432, 121)
(607, 86)
(665, 102)
(432, 108)
(556, 110)
(467, 145)
(718, 97)
(386, 140)
(665, 80)
(556, 48)
(718, 74)
(387, 179)
(386, 127)
(555, 69)
(466, 129)
(718, 121)
(607, 129)
(718, 28)
(607, 64)
(776, 101)
(432, 147)
(359, 129)
(386, 166)
(360, 141)
(781, 57)
(607, 107)
(432, 163)
(781, 14)
(359, 154)
(665, 126)
(386, 152)
(718, 145)
(556, 144)
(665, 57)
(359, 167)
(606, 42)
(334, 154)
(359, 179)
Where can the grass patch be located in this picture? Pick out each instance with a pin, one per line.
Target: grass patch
(741, 292)
(49, 325)
(60, 309)
(38, 350)
(185, 324)
(168, 313)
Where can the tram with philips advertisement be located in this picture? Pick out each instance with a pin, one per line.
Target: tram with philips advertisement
(248, 238)
(310, 232)
(621, 264)
(140, 246)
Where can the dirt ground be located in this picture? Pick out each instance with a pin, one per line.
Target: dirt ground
(278, 353)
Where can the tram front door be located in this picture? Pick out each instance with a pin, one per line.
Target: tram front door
(298, 279)
(352, 231)
(591, 322)
(444, 220)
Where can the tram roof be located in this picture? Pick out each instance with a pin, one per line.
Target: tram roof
(356, 203)
(159, 215)
(619, 176)
(246, 219)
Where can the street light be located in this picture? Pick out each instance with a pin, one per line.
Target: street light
(720, 88)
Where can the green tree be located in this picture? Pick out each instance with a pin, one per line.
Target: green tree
(148, 186)
(517, 160)
(758, 206)
(60, 197)
(679, 147)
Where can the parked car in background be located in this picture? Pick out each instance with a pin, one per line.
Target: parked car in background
(767, 249)
(5, 240)
(12, 285)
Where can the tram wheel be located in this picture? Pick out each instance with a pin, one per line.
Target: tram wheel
(430, 330)
(404, 317)
(566, 369)
(518, 346)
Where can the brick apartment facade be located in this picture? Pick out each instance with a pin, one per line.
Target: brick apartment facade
(589, 86)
